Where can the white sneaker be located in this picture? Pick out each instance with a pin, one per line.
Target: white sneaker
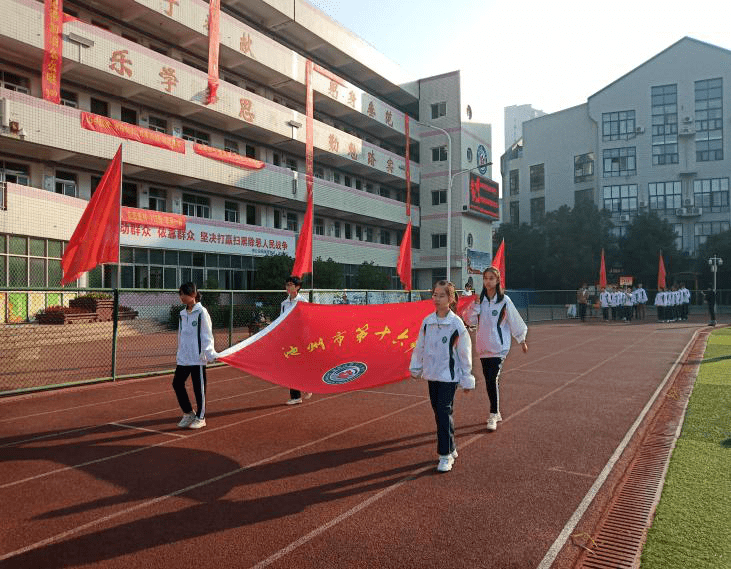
(492, 422)
(454, 453)
(307, 395)
(197, 423)
(187, 419)
(294, 401)
(445, 463)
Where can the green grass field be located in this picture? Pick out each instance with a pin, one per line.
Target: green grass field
(692, 526)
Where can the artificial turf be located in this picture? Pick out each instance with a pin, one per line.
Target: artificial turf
(692, 524)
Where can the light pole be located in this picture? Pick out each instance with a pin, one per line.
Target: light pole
(715, 262)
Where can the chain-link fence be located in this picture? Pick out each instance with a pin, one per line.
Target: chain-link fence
(53, 337)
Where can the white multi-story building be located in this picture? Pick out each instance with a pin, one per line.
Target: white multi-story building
(515, 116)
(136, 71)
(652, 140)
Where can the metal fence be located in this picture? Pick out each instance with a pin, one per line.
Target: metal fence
(58, 337)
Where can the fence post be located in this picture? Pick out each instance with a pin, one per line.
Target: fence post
(231, 321)
(115, 333)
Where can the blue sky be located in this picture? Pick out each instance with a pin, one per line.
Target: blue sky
(552, 55)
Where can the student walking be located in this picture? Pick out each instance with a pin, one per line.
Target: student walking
(195, 350)
(443, 356)
(582, 299)
(640, 295)
(497, 319)
(710, 296)
(293, 285)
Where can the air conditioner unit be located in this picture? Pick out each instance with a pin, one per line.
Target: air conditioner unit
(688, 211)
(687, 119)
(639, 130)
(643, 204)
(624, 218)
(686, 129)
(688, 202)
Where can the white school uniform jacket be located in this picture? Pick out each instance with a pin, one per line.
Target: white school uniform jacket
(604, 299)
(288, 304)
(685, 294)
(195, 337)
(640, 295)
(443, 351)
(498, 320)
(660, 298)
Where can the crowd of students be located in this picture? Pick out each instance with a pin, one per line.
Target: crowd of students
(619, 303)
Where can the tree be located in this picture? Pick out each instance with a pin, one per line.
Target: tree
(640, 249)
(373, 277)
(328, 274)
(272, 271)
(718, 245)
(524, 247)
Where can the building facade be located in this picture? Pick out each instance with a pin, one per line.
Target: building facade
(515, 116)
(136, 72)
(654, 140)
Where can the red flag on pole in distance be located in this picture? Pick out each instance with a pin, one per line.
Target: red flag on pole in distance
(499, 263)
(96, 238)
(603, 273)
(661, 274)
(403, 267)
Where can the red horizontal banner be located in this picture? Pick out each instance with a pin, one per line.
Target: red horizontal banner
(153, 218)
(228, 157)
(121, 129)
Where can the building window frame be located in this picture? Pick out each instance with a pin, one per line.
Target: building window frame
(665, 195)
(584, 167)
(712, 194)
(538, 178)
(196, 206)
(664, 103)
(514, 182)
(618, 125)
(709, 120)
(620, 161)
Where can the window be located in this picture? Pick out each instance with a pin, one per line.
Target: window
(537, 178)
(129, 116)
(515, 213)
(704, 230)
(439, 154)
(369, 187)
(336, 229)
(369, 234)
(14, 173)
(231, 212)
(619, 162)
(583, 167)
(66, 184)
(618, 126)
(665, 195)
(277, 219)
(359, 233)
(195, 135)
(250, 214)
(99, 107)
(230, 145)
(358, 184)
(250, 151)
(292, 222)
(438, 110)
(709, 120)
(157, 124)
(678, 229)
(514, 182)
(348, 232)
(385, 237)
(319, 226)
(196, 206)
(14, 82)
(336, 177)
(665, 125)
(711, 194)
(129, 194)
(69, 99)
(291, 164)
(319, 172)
(276, 159)
(537, 209)
(385, 192)
(438, 240)
(157, 199)
(620, 198)
(415, 237)
(347, 181)
(438, 197)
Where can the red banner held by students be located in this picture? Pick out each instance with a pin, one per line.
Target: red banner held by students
(499, 263)
(52, 50)
(214, 19)
(121, 129)
(228, 157)
(96, 238)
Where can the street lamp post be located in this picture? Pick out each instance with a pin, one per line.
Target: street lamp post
(715, 262)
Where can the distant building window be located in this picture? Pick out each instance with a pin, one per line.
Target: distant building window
(69, 99)
(347, 181)
(319, 226)
(704, 230)
(537, 178)
(665, 195)
(618, 125)
(583, 167)
(348, 231)
(665, 125)
(336, 177)
(438, 240)
(438, 110)
(358, 184)
(250, 151)
(438, 197)
(196, 206)
(129, 116)
(251, 214)
(292, 224)
(620, 161)
(14, 82)
(439, 154)
(195, 135)
(514, 181)
(230, 145)
(384, 192)
(129, 194)
(319, 172)
(537, 210)
(14, 173)
(276, 159)
(336, 229)
(711, 194)
(99, 107)
(620, 198)
(292, 164)
(157, 199)
(369, 234)
(385, 237)
(515, 213)
(231, 212)
(709, 120)
(66, 184)
(157, 124)
(584, 196)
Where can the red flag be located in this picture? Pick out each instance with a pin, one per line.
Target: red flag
(499, 263)
(603, 273)
(96, 238)
(214, 17)
(403, 267)
(661, 274)
(303, 253)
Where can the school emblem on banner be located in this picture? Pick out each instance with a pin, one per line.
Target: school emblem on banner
(344, 373)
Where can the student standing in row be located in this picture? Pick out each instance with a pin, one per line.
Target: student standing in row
(195, 350)
(497, 320)
(640, 297)
(604, 303)
(443, 356)
(293, 285)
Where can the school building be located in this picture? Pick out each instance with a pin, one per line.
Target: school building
(653, 140)
(137, 72)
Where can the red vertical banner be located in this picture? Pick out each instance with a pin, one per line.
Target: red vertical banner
(52, 50)
(603, 273)
(499, 263)
(303, 254)
(403, 268)
(214, 20)
(661, 274)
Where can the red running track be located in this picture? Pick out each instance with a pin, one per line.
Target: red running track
(101, 476)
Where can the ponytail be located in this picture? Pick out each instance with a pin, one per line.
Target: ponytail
(189, 289)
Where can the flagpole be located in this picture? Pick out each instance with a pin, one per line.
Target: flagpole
(115, 312)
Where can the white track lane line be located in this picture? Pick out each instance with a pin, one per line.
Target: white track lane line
(234, 472)
(134, 428)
